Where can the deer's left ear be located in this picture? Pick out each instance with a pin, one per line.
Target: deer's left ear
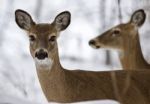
(62, 20)
(138, 17)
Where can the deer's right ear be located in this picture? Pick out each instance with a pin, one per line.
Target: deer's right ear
(138, 17)
(23, 19)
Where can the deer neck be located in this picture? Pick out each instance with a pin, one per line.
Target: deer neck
(132, 57)
(61, 85)
(50, 76)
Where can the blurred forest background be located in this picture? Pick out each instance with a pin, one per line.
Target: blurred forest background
(89, 19)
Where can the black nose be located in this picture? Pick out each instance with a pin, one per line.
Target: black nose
(41, 54)
(91, 42)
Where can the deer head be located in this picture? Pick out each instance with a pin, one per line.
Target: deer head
(42, 36)
(116, 37)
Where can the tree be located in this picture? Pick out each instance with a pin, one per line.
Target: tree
(103, 26)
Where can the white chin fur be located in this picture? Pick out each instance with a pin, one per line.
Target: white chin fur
(46, 63)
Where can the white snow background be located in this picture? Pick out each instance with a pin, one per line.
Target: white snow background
(18, 79)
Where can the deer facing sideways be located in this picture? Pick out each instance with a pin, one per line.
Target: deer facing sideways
(125, 38)
(66, 86)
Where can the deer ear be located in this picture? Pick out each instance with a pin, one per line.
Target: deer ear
(62, 20)
(138, 17)
(23, 19)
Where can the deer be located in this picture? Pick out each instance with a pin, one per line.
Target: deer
(125, 38)
(66, 86)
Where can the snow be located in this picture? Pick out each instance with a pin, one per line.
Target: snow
(8, 99)
(18, 80)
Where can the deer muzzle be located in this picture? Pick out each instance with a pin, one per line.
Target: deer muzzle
(93, 44)
(41, 54)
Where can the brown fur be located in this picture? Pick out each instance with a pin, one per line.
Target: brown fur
(66, 86)
(127, 42)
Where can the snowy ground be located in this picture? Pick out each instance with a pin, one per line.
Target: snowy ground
(8, 99)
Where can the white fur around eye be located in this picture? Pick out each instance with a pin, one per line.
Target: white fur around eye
(32, 34)
(113, 35)
(116, 28)
(53, 34)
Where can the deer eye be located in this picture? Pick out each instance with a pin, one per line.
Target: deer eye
(116, 32)
(52, 39)
(32, 38)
